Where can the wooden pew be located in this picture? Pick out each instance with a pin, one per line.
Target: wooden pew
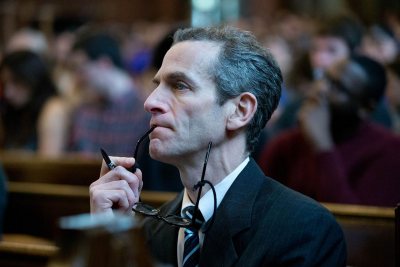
(31, 220)
(69, 169)
(34, 208)
(42, 190)
(369, 233)
(26, 251)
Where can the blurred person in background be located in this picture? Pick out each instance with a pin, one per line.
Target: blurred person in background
(110, 114)
(33, 116)
(336, 39)
(393, 94)
(333, 39)
(28, 39)
(63, 38)
(337, 154)
(380, 43)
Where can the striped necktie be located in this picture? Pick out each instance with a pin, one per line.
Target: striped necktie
(191, 250)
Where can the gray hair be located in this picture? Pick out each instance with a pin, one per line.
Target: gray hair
(242, 65)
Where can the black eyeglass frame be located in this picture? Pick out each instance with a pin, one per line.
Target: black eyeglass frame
(175, 220)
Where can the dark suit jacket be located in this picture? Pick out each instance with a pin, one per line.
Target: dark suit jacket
(259, 222)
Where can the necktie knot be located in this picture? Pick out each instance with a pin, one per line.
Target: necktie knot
(191, 252)
(188, 212)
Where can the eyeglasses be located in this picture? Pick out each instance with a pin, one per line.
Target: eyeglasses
(179, 221)
(171, 219)
(111, 165)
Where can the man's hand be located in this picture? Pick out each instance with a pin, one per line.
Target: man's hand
(314, 118)
(117, 189)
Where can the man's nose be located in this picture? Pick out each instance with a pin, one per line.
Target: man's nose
(154, 102)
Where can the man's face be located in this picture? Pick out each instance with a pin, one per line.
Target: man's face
(184, 104)
(326, 51)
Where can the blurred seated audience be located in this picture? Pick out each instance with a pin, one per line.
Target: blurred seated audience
(335, 39)
(337, 154)
(111, 113)
(33, 116)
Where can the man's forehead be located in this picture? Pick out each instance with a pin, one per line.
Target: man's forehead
(194, 49)
(190, 56)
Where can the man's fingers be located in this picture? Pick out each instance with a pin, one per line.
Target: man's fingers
(117, 188)
(105, 200)
(119, 161)
(119, 173)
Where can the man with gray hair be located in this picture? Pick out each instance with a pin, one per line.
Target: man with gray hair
(217, 87)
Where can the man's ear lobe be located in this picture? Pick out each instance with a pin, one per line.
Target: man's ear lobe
(242, 114)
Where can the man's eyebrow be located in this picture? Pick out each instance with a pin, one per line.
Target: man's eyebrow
(177, 75)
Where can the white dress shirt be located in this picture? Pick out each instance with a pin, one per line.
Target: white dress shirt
(206, 204)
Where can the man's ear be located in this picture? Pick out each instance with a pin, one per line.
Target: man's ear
(245, 106)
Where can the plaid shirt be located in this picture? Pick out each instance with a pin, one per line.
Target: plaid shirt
(115, 126)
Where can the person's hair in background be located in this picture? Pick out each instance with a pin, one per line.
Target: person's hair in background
(27, 85)
(28, 39)
(375, 83)
(242, 65)
(97, 45)
(335, 39)
(161, 49)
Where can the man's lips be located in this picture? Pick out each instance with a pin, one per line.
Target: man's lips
(158, 128)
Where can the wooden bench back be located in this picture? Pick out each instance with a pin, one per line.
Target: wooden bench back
(69, 170)
(43, 190)
(369, 233)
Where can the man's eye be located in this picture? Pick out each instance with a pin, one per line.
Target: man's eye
(181, 86)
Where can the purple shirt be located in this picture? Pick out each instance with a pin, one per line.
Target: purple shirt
(365, 169)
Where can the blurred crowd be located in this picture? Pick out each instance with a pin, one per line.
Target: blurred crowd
(83, 89)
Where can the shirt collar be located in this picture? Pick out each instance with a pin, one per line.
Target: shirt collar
(206, 204)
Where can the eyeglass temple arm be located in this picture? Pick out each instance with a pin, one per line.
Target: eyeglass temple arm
(201, 184)
(136, 165)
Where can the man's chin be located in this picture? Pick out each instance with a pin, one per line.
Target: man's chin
(156, 150)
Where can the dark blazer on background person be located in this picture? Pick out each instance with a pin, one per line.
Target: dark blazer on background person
(258, 223)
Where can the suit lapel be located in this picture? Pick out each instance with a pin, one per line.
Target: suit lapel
(232, 216)
(163, 237)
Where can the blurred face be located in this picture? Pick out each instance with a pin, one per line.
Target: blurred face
(184, 104)
(344, 82)
(87, 76)
(380, 47)
(326, 51)
(15, 92)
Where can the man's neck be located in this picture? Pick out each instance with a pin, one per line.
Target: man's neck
(221, 162)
